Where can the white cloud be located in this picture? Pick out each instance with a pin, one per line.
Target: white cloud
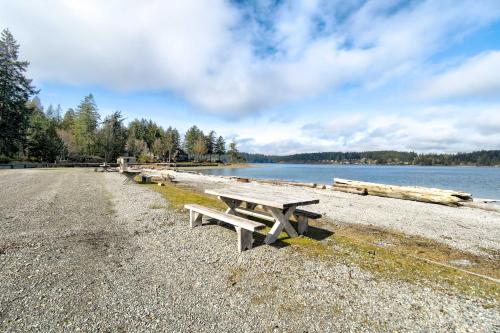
(452, 129)
(208, 51)
(477, 77)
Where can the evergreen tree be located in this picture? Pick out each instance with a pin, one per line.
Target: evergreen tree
(170, 142)
(220, 147)
(233, 151)
(42, 141)
(210, 143)
(112, 137)
(51, 112)
(58, 114)
(15, 91)
(68, 120)
(191, 137)
(85, 125)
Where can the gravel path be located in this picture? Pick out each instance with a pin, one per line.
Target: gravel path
(81, 251)
(468, 229)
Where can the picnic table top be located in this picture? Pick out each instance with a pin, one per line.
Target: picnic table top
(276, 200)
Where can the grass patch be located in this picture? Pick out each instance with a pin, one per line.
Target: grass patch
(157, 206)
(386, 254)
(178, 196)
(358, 245)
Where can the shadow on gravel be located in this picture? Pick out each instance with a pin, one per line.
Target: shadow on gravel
(313, 232)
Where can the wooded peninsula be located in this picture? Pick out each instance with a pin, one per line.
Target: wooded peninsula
(477, 158)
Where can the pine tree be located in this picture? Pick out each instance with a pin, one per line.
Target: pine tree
(112, 136)
(210, 143)
(85, 125)
(42, 140)
(191, 137)
(170, 142)
(15, 91)
(50, 112)
(220, 147)
(68, 120)
(233, 151)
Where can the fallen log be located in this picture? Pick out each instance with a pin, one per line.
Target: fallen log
(242, 180)
(415, 193)
(283, 182)
(360, 191)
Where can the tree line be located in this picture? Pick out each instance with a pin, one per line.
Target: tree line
(28, 131)
(477, 158)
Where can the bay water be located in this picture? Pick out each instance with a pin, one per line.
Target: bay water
(482, 182)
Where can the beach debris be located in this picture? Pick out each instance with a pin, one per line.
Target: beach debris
(415, 193)
(242, 180)
(284, 182)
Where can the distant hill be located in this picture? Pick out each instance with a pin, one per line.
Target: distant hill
(477, 158)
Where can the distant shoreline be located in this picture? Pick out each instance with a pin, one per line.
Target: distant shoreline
(380, 164)
(387, 157)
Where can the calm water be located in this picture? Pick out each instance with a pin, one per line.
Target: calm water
(481, 182)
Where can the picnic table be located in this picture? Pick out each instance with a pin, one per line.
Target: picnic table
(280, 206)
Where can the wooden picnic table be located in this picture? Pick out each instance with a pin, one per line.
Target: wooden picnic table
(281, 206)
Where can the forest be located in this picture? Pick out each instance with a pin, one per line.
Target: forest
(30, 132)
(477, 158)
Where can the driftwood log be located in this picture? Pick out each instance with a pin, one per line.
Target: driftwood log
(283, 182)
(415, 193)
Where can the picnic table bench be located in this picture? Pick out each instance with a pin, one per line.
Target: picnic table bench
(274, 207)
(244, 227)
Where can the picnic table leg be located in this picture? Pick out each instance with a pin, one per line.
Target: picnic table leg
(281, 222)
(245, 239)
(303, 224)
(232, 204)
(195, 219)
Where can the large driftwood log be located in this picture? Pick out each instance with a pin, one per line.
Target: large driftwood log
(424, 194)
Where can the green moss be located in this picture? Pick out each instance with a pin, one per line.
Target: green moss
(178, 196)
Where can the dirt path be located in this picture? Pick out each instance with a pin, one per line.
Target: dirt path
(74, 256)
(59, 243)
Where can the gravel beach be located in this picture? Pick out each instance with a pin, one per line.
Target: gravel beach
(82, 251)
(468, 229)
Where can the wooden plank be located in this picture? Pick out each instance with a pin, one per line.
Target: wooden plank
(227, 218)
(275, 200)
(267, 217)
(253, 213)
(280, 224)
(308, 214)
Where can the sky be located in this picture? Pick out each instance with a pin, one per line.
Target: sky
(279, 77)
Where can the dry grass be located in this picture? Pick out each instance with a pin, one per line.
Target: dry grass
(178, 196)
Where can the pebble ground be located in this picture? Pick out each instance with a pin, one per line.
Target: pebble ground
(81, 251)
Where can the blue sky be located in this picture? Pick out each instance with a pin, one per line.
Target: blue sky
(280, 77)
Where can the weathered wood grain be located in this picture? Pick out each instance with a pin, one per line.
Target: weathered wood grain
(415, 193)
(275, 200)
